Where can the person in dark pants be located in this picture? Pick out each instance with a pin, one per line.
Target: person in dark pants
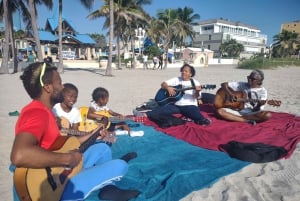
(160, 62)
(187, 105)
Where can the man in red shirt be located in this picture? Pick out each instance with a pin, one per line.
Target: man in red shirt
(67, 174)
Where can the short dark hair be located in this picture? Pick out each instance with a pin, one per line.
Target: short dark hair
(192, 69)
(99, 92)
(69, 86)
(31, 78)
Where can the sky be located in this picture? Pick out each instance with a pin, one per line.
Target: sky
(266, 15)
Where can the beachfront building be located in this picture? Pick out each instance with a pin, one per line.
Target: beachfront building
(210, 34)
(75, 45)
(291, 26)
(197, 56)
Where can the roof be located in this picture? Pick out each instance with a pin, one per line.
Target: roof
(49, 35)
(226, 21)
(194, 49)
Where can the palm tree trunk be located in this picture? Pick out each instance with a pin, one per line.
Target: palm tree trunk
(61, 65)
(12, 42)
(119, 55)
(35, 29)
(111, 37)
(4, 65)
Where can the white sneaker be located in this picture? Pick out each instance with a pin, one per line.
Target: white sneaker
(136, 133)
(121, 132)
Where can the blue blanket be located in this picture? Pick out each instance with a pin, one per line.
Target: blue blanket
(167, 168)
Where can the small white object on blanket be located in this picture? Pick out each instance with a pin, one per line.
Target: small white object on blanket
(136, 133)
(121, 132)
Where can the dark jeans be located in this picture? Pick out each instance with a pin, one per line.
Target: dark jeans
(189, 111)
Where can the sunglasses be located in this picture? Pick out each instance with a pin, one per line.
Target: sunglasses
(251, 78)
(42, 74)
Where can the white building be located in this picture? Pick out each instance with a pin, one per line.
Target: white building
(212, 33)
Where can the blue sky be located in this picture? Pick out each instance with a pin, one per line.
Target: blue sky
(266, 15)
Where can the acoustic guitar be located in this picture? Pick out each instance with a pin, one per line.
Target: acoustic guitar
(65, 130)
(88, 125)
(162, 96)
(224, 100)
(34, 184)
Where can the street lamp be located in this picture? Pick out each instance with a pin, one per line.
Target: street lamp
(140, 34)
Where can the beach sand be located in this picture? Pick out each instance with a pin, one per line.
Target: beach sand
(279, 180)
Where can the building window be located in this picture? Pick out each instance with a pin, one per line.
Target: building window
(209, 37)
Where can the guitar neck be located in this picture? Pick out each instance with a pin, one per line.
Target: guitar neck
(73, 132)
(91, 140)
(205, 86)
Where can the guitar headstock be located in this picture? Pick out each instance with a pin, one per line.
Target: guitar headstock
(275, 103)
(208, 86)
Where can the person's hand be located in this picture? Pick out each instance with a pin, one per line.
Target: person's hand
(198, 88)
(76, 158)
(171, 91)
(262, 102)
(102, 134)
(232, 97)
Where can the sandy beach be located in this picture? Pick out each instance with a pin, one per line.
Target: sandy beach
(274, 181)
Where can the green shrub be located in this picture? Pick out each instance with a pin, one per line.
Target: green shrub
(266, 63)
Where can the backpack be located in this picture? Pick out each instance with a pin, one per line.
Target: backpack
(166, 121)
(253, 152)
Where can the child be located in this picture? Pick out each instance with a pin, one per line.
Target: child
(69, 116)
(99, 110)
(66, 110)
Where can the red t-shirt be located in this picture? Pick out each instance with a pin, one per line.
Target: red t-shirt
(37, 119)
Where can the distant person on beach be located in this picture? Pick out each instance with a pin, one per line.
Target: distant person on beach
(243, 101)
(187, 105)
(31, 57)
(36, 132)
(66, 108)
(155, 60)
(145, 61)
(160, 62)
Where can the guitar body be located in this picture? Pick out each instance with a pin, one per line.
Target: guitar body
(162, 96)
(32, 184)
(86, 125)
(222, 99)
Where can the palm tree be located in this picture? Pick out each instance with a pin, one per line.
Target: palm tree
(285, 43)
(125, 12)
(185, 21)
(172, 25)
(231, 48)
(13, 6)
(111, 37)
(4, 65)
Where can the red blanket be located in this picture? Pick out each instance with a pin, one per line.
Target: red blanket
(282, 129)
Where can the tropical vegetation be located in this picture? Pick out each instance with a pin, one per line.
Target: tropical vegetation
(169, 28)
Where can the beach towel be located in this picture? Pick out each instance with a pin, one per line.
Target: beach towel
(282, 130)
(169, 169)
